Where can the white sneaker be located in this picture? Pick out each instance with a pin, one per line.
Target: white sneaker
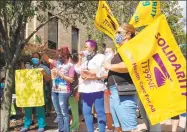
(106, 127)
(55, 121)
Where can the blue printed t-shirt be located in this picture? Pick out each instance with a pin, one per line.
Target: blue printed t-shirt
(59, 85)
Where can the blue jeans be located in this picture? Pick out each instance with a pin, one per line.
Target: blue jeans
(183, 115)
(150, 127)
(60, 103)
(40, 112)
(123, 110)
(97, 99)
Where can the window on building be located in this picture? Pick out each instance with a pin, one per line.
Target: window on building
(53, 33)
(89, 36)
(75, 39)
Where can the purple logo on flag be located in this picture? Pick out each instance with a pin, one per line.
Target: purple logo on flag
(160, 75)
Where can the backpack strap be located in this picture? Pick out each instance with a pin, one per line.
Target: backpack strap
(89, 57)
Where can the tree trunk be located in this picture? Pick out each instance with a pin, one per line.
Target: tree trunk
(7, 99)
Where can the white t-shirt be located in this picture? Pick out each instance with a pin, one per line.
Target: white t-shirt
(90, 86)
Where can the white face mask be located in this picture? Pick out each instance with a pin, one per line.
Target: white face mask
(27, 65)
(86, 53)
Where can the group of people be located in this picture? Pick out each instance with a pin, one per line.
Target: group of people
(93, 78)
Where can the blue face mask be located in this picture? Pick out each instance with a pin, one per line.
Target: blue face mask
(119, 38)
(35, 61)
(60, 59)
(2, 85)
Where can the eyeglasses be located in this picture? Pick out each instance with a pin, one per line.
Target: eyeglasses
(121, 32)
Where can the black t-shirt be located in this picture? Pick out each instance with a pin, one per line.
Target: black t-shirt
(74, 85)
(119, 77)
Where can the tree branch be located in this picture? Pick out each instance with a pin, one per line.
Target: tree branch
(41, 25)
(2, 30)
(17, 32)
(6, 39)
(38, 28)
(20, 19)
(3, 45)
(18, 49)
(22, 44)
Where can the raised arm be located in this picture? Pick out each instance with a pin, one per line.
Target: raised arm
(46, 75)
(120, 67)
(80, 60)
(47, 59)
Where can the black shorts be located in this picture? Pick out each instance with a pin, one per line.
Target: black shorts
(175, 117)
(33, 110)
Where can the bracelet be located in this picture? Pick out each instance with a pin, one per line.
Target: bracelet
(83, 78)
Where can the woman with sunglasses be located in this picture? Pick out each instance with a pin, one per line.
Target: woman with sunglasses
(123, 108)
(124, 34)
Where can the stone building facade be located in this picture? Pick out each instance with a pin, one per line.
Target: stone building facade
(57, 35)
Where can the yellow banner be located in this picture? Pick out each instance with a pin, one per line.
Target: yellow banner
(105, 21)
(29, 88)
(146, 13)
(158, 70)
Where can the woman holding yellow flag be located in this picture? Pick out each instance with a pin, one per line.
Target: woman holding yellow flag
(123, 107)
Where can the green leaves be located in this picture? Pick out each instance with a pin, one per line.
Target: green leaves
(71, 12)
(173, 13)
(183, 48)
(38, 39)
(122, 11)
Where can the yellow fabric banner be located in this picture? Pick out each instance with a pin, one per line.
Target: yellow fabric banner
(105, 21)
(29, 88)
(158, 70)
(146, 13)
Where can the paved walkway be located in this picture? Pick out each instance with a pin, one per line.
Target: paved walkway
(52, 127)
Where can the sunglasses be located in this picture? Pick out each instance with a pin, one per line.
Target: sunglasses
(121, 32)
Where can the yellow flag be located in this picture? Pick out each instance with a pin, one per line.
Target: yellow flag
(29, 88)
(158, 70)
(105, 21)
(146, 13)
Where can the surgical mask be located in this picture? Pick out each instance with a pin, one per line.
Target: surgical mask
(60, 58)
(35, 61)
(86, 53)
(119, 38)
(27, 65)
(2, 85)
